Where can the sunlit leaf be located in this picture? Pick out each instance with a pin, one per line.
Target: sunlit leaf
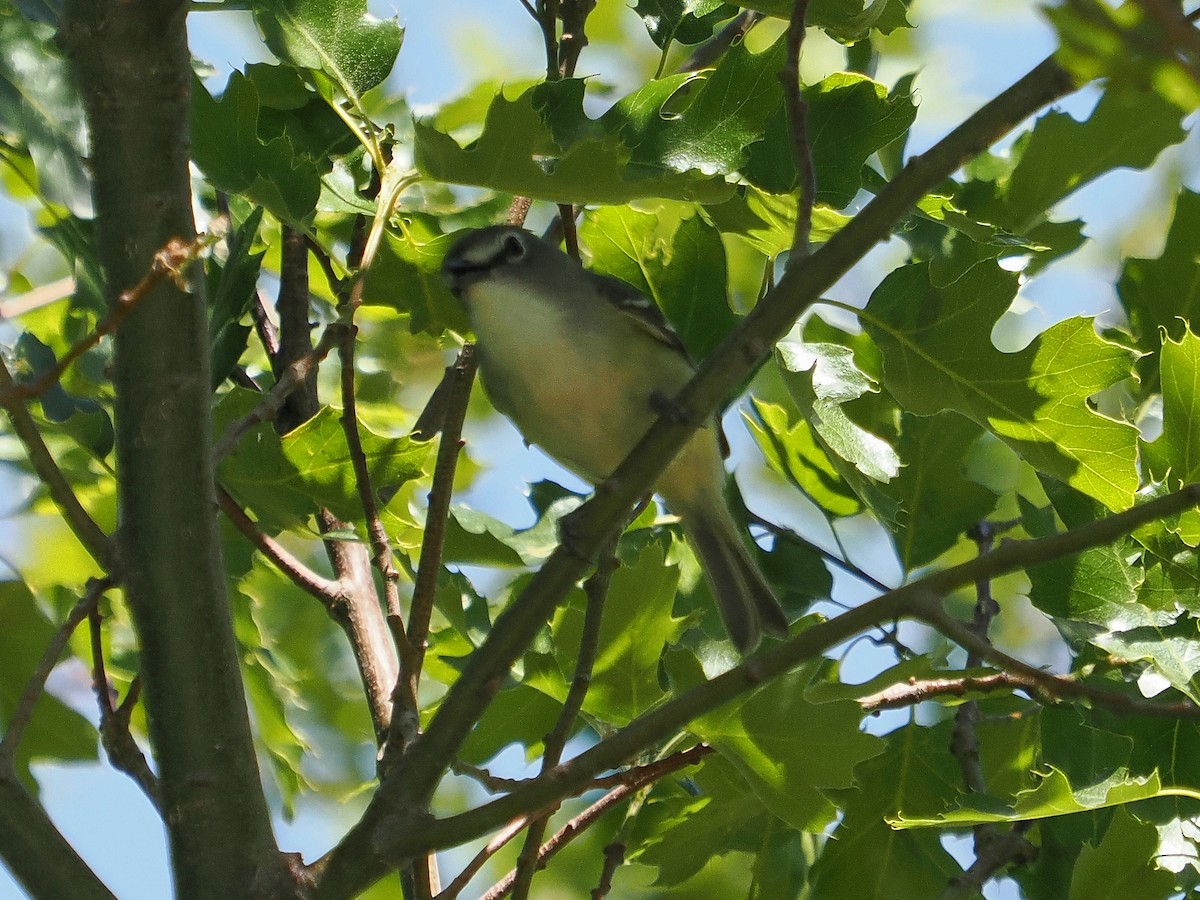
(938, 354)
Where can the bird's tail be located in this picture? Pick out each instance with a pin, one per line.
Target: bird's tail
(747, 604)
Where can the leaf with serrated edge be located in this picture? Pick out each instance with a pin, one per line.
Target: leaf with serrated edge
(938, 354)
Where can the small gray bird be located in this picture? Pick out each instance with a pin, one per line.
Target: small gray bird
(577, 361)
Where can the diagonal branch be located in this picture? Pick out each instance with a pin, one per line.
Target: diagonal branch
(920, 599)
(324, 589)
(460, 377)
(82, 525)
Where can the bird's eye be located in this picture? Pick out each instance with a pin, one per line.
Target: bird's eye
(514, 249)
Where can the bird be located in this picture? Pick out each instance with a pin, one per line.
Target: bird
(580, 362)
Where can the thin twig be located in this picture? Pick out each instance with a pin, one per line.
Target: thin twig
(634, 774)
(36, 685)
(324, 589)
(1044, 686)
(1003, 849)
(573, 829)
(494, 784)
(964, 740)
(268, 334)
(574, 15)
(989, 839)
(518, 211)
(381, 545)
(797, 113)
(595, 589)
(570, 234)
(494, 846)
(412, 658)
(547, 20)
(119, 746)
(840, 561)
(293, 305)
(82, 525)
(169, 262)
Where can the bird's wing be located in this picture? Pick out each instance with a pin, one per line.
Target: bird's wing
(640, 309)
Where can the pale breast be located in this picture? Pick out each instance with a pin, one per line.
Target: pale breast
(574, 382)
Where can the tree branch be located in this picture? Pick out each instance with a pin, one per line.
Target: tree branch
(169, 262)
(323, 589)
(797, 113)
(41, 860)
(82, 525)
(352, 602)
(293, 377)
(580, 823)
(461, 377)
(119, 746)
(134, 73)
(34, 688)
(596, 589)
(403, 834)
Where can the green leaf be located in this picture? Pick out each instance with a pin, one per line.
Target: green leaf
(227, 147)
(789, 749)
(519, 714)
(301, 679)
(1097, 586)
(636, 626)
(767, 222)
(1061, 155)
(938, 355)
(286, 479)
(679, 263)
(540, 144)
(793, 452)
(1053, 796)
(1124, 46)
(40, 108)
(937, 502)
(407, 276)
(682, 827)
(1162, 296)
(477, 539)
(1174, 653)
(822, 377)
(337, 37)
(842, 20)
(684, 21)
(917, 770)
(722, 119)
(232, 287)
(55, 732)
(1174, 459)
(83, 419)
(850, 117)
(1122, 864)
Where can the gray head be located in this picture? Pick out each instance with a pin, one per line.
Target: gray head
(500, 252)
